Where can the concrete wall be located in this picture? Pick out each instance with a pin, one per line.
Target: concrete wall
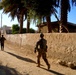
(60, 45)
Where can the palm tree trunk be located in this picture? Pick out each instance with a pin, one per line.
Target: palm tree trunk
(28, 26)
(49, 24)
(64, 13)
(21, 24)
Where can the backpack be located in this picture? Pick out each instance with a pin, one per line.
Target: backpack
(43, 44)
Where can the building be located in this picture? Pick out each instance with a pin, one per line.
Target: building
(55, 27)
(6, 30)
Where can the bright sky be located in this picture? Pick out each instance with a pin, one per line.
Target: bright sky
(7, 20)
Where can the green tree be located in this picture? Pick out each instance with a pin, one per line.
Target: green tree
(15, 29)
(15, 8)
(45, 8)
(32, 30)
(24, 30)
(21, 8)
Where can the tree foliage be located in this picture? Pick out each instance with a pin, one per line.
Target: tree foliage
(15, 28)
(34, 9)
(44, 8)
(15, 8)
(21, 8)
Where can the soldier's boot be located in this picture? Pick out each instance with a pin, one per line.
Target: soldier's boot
(48, 66)
(46, 61)
(38, 61)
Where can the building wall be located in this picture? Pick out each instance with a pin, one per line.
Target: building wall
(44, 29)
(55, 27)
(60, 45)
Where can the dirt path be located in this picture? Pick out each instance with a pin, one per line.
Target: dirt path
(15, 60)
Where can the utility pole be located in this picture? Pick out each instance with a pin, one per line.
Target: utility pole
(1, 25)
(1, 20)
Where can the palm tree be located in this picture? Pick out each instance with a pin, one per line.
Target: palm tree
(65, 7)
(44, 8)
(15, 8)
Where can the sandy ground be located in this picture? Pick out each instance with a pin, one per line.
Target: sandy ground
(16, 60)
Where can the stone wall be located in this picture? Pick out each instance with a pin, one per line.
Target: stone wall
(60, 45)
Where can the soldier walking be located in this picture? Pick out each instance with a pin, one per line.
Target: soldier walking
(41, 48)
(2, 39)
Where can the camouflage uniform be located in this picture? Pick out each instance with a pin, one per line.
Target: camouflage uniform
(41, 47)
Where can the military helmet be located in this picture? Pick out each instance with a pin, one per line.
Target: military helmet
(41, 35)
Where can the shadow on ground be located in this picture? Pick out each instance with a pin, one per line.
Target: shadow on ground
(54, 72)
(22, 58)
(4, 70)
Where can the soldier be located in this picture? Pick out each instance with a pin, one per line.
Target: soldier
(2, 39)
(41, 48)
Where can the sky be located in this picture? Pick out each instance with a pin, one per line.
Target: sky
(6, 20)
